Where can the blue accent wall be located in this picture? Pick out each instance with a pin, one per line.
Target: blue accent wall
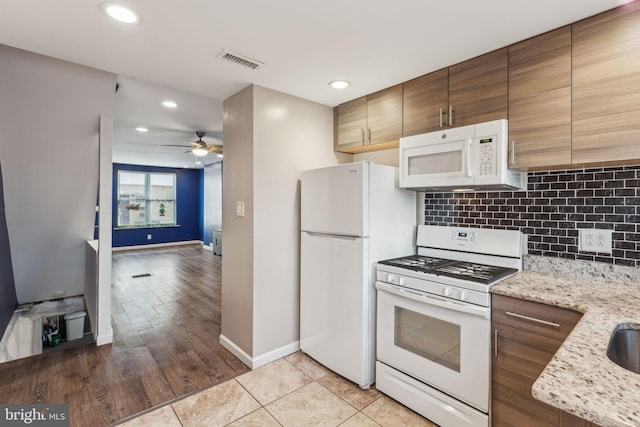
(189, 196)
(8, 298)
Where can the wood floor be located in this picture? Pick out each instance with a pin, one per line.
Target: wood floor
(166, 328)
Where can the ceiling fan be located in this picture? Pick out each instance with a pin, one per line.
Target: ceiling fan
(199, 147)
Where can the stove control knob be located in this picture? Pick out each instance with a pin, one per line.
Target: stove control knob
(446, 292)
(462, 295)
(396, 280)
(402, 281)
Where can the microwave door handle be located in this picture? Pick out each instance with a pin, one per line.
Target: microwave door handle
(469, 157)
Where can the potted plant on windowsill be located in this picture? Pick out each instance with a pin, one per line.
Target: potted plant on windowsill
(162, 210)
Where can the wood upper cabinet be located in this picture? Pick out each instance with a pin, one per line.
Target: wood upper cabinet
(540, 101)
(384, 115)
(425, 99)
(351, 126)
(606, 86)
(370, 122)
(478, 89)
(526, 336)
(471, 92)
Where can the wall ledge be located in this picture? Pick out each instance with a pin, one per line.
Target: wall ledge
(156, 245)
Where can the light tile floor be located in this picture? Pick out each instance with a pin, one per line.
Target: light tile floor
(294, 391)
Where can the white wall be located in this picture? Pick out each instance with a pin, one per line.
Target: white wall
(212, 199)
(49, 129)
(290, 135)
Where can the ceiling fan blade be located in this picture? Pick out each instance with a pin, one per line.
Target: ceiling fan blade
(215, 149)
(171, 145)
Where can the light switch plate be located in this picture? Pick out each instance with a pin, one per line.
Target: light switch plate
(595, 240)
(239, 208)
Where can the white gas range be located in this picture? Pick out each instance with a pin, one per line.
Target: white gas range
(434, 321)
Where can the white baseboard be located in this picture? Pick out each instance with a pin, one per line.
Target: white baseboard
(275, 354)
(104, 338)
(236, 351)
(263, 359)
(157, 245)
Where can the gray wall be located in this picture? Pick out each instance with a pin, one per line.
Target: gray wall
(49, 129)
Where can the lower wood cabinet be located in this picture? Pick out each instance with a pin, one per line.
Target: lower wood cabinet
(526, 336)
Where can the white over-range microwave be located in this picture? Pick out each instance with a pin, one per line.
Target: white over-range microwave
(468, 158)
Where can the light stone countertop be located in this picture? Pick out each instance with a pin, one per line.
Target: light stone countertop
(580, 378)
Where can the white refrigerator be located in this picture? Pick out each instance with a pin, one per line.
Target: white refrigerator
(352, 216)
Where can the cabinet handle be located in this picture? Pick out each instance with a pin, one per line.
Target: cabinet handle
(533, 319)
(369, 136)
(495, 343)
(362, 130)
(450, 115)
(441, 118)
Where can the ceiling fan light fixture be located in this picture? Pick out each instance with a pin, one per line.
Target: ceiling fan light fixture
(121, 13)
(200, 152)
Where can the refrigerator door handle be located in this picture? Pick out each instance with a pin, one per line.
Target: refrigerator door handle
(333, 236)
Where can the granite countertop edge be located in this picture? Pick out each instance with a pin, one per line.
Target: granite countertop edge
(580, 378)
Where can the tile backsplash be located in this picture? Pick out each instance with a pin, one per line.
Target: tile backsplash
(555, 205)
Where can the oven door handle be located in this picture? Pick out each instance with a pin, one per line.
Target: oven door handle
(425, 298)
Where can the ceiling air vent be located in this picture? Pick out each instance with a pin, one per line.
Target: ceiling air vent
(240, 60)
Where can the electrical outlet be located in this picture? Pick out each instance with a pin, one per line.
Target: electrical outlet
(594, 240)
(148, 236)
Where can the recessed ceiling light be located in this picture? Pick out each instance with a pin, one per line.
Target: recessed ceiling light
(169, 104)
(220, 156)
(142, 129)
(121, 13)
(339, 84)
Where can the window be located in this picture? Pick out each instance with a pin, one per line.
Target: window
(146, 199)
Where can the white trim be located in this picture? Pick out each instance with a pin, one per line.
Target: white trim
(236, 351)
(104, 339)
(157, 245)
(275, 354)
(263, 359)
(208, 247)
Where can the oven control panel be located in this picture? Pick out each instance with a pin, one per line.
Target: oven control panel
(462, 236)
(452, 288)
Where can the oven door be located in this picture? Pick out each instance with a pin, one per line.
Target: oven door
(444, 343)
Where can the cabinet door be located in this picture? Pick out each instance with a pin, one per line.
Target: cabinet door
(606, 86)
(422, 100)
(384, 115)
(519, 358)
(553, 322)
(569, 420)
(478, 89)
(351, 124)
(540, 101)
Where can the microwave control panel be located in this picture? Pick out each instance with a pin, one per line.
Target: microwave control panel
(487, 156)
